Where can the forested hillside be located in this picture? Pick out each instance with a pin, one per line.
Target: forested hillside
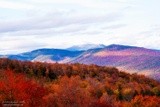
(74, 85)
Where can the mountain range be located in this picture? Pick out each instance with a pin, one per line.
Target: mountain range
(127, 58)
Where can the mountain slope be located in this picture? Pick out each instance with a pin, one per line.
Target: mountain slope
(46, 55)
(133, 59)
(74, 85)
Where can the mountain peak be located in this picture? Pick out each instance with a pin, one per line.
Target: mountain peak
(85, 47)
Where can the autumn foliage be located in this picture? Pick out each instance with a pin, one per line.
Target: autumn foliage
(16, 87)
(74, 85)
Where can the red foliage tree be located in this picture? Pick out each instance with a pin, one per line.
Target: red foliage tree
(16, 87)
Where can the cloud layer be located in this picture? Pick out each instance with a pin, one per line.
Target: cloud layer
(32, 24)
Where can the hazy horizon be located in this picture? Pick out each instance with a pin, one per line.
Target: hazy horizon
(26, 25)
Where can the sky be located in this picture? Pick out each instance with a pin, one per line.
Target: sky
(26, 25)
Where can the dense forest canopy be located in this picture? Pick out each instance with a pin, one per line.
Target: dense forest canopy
(74, 85)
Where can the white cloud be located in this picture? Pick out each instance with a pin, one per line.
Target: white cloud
(56, 21)
(14, 5)
(62, 23)
(16, 44)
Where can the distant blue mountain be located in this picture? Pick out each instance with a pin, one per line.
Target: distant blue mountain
(54, 54)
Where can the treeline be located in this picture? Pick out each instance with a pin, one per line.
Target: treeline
(74, 85)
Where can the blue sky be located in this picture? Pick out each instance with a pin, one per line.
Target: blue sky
(30, 24)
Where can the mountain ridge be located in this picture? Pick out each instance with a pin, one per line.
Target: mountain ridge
(130, 58)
